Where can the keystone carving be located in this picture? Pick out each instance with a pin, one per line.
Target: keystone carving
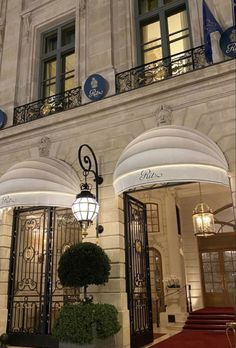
(82, 8)
(44, 147)
(164, 115)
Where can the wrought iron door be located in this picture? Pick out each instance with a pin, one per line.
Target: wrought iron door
(40, 236)
(138, 273)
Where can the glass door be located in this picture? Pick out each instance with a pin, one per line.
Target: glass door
(218, 273)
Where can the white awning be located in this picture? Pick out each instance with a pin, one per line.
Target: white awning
(169, 154)
(42, 181)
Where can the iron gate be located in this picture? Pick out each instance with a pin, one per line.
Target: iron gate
(138, 273)
(40, 236)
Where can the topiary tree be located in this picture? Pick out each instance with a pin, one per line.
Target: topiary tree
(79, 323)
(84, 264)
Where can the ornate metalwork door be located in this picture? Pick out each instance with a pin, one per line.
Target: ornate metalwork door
(40, 236)
(138, 273)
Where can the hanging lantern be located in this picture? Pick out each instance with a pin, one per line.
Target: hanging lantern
(203, 219)
(85, 208)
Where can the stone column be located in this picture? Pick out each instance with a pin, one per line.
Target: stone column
(5, 245)
(174, 297)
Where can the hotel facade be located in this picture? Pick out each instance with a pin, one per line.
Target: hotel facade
(132, 80)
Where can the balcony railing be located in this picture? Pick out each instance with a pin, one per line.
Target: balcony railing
(161, 69)
(47, 106)
(140, 76)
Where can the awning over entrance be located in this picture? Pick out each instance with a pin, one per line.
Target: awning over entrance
(41, 181)
(169, 154)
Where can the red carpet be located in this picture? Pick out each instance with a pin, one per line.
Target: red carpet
(216, 310)
(195, 339)
(209, 318)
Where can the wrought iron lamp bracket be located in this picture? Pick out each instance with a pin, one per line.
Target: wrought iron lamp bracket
(89, 164)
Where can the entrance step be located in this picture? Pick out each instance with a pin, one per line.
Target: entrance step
(211, 319)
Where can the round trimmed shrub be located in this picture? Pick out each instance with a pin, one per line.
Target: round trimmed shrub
(84, 264)
(106, 319)
(75, 323)
(82, 323)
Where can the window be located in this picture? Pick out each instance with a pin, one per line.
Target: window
(58, 60)
(152, 217)
(163, 29)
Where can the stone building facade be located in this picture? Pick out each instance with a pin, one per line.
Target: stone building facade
(37, 152)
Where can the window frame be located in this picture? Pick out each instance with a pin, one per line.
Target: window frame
(162, 12)
(57, 54)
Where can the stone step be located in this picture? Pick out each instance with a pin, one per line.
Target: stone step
(204, 327)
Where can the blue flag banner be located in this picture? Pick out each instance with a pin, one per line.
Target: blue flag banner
(210, 25)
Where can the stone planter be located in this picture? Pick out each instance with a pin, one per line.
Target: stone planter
(97, 343)
(75, 345)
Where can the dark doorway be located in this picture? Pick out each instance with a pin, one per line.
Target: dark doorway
(40, 236)
(138, 273)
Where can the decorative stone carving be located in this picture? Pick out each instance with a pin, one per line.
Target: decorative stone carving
(82, 8)
(7, 200)
(2, 27)
(44, 147)
(27, 20)
(164, 116)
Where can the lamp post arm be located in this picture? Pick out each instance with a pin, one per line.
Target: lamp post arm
(86, 163)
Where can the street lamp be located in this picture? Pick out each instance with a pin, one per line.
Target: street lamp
(86, 206)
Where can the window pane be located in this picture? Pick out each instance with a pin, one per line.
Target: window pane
(229, 266)
(205, 257)
(206, 267)
(69, 62)
(218, 287)
(208, 287)
(177, 21)
(215, 267)
(50, 70)
(68, 72)
(231, 287)
(168, 1)
(49, 83)
(151, 38)
(50, 43)
(208, 277)
(151, 32)
(49, 90)
(147, 5)
(178, 32)
(152, 217)
(68, 36)
(69, 84)
(214, 256)
(217, 277)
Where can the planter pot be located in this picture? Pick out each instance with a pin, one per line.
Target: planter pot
(76, 345)
(97, 343)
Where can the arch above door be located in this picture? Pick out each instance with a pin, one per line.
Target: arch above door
(39, 182)
(169, 154)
